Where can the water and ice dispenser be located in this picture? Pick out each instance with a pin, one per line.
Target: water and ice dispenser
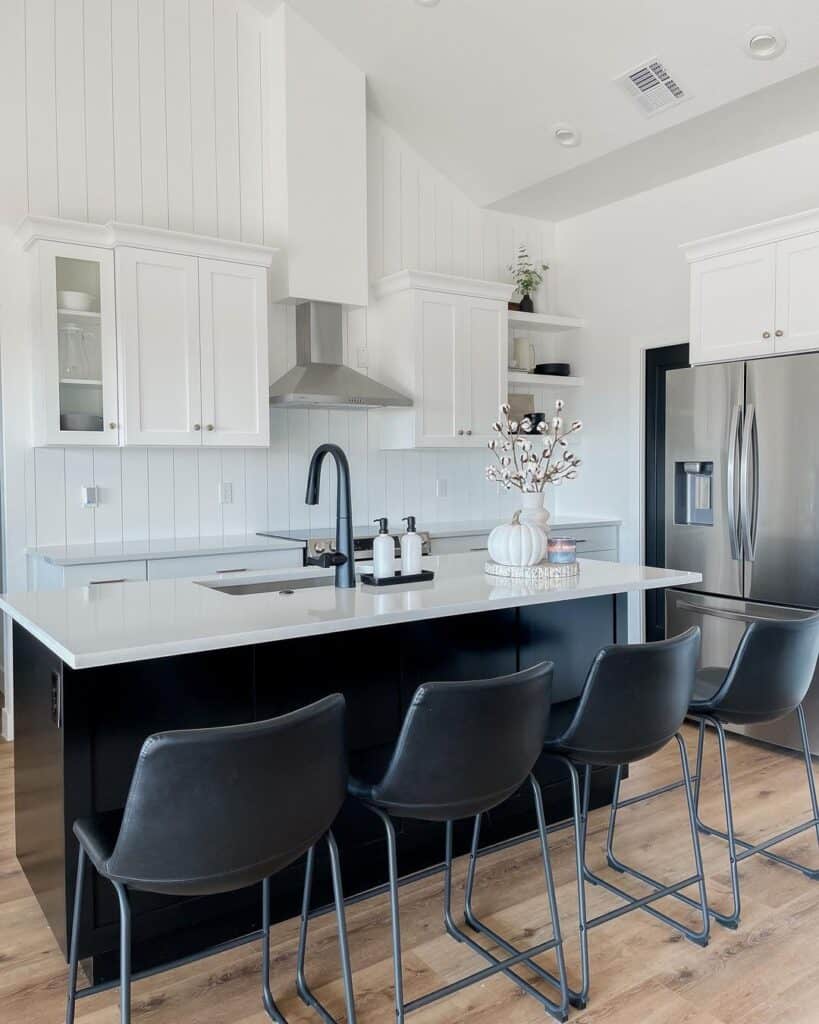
(694, 493)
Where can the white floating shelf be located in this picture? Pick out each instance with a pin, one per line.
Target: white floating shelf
(544, 321)
(87, 382)
(79, 314)
(518, 378)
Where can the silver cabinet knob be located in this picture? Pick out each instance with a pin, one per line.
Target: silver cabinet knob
(112, 426)
(197, 426)
(460, 433)
(766, 334)
(779, 333)
(319, 548)
(209, 426)
(469, 433)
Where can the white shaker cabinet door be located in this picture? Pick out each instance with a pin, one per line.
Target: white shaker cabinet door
(732, 305)
(158, 339)
(440, 403)
(484, 367)
(797, 294)
(233, 332)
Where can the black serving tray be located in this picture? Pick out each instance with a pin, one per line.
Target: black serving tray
(389, 581)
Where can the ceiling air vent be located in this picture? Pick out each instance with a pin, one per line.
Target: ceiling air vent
(653, 87)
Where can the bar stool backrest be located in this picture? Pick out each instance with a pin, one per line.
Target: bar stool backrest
(771, 671)
(213, 810)
(634, 700)
(465, 747)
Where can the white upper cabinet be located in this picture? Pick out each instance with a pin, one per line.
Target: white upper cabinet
(159, 352)
(443, 341)
(797, 294)
(147, 337)
(233, 332)
(754, 292)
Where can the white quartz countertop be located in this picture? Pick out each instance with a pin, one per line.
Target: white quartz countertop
(121, 622)
(182, 547)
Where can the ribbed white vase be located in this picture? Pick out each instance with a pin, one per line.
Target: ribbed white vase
(533, 511)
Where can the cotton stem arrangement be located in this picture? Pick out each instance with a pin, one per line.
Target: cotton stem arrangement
(531, 460)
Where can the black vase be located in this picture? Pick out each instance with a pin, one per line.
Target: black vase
(526, 304)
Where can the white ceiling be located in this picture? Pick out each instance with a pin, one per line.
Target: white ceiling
(477, 85)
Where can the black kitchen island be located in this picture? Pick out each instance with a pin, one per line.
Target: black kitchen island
(95, 675)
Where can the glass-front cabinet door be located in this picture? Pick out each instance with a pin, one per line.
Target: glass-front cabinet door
(77, 341)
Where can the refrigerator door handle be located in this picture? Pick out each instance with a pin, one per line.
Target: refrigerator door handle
(719, 613)
(749, 502)
(731, 478)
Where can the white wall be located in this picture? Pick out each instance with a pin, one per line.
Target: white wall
(620, 267)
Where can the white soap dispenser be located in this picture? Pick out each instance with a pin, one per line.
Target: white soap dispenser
(410, 549)
(383, 552)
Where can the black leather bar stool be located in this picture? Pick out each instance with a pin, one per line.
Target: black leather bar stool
(633, 703)
(464, 748)
(768, 678)
(215, 810)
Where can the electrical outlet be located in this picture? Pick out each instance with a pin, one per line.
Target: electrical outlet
(90, 497)
(226, 493)
(440, 488)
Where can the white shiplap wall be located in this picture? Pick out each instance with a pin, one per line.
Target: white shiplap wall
(154, 111)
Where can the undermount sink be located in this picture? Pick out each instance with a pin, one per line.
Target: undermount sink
(284, 587)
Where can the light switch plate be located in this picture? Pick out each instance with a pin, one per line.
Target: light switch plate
(440, 488)
(226, 493)
(90, 497)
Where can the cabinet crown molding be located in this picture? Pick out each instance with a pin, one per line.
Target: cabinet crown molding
(424, 280)
(115, 233)
(753, 235)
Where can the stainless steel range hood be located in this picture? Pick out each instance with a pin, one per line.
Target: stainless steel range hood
(319, 377)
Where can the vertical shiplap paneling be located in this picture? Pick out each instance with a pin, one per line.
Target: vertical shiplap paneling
(460, 237)
(41, 108)
(135, 516)
(127, 134)
(321, 515)
(99, 111)
(153, 127)
(357, 455)
(108, 479)
(375, 204)
(233, 472)
(178, 118)
(186, 492)
(443, 228)
(251, 166)
(210, 476)
(13, 166)
(376, 472)
(278, 472)
(160, 493)
(409, 210)
(226, 100)
(51, 497)
(412, 485)
(475, 244)
(428, 509)
(255, 490)
(69, 60)
(426, 223)
(203, 118)
(79, 473)
(394, 488)
(298, 441)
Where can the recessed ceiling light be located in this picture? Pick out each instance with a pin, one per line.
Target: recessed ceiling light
(566, 135)
(764, 42)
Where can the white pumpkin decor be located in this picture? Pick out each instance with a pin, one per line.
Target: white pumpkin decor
(517, 543)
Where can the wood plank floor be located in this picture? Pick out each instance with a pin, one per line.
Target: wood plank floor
(642, 973)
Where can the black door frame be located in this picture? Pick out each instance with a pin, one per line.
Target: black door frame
(658, 362)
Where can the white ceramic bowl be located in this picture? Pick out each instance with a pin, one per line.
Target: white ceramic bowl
(81, 301)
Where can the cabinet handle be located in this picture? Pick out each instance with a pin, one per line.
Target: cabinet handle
(209, 426)
(112, 425)
(460, 433)
(469, 433)
(57, 699)
(766, 334)
(100, 583)
(222, 572)
(197, 426)
(779, 333)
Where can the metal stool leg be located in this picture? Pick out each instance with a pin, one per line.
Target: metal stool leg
(124, 954)
(73, 960)
(803, 729)
(338, 900)
(271, 1009)
(580, 998)
(395, 924)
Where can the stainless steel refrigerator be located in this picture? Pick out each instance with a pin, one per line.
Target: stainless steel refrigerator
(742, 504)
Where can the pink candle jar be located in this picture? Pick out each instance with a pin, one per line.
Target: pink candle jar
(562, 550)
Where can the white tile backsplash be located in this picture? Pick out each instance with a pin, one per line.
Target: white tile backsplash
(175, 492)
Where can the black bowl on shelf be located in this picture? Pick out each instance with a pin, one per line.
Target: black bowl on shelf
(534, 418)
(554, 369)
